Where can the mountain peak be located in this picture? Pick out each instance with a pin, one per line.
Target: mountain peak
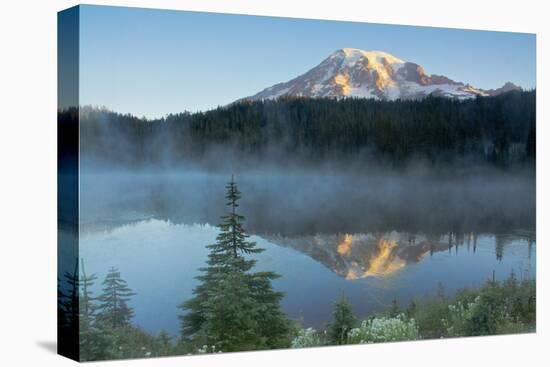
(352, 72)
(373, 56)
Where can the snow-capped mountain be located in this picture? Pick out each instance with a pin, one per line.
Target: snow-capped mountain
(351, 72)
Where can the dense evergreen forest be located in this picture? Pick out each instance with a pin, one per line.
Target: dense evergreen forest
(496, 130)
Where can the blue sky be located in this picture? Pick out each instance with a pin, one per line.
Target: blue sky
(153, 62)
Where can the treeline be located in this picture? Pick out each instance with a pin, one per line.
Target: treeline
(497, 130)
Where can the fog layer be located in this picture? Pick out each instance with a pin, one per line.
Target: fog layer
(315, 201)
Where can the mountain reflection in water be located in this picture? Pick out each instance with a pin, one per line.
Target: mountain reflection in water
(356, 256)
(372, 269)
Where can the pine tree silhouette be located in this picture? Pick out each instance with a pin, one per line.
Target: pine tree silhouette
(343, 321)
(113, 308)
(93, 342)
(233, 308)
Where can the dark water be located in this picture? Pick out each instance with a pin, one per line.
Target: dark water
(354, 237)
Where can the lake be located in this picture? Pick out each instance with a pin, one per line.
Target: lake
(375, 239)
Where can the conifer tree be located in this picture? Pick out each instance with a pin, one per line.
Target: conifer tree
(86, 307)
(343, 321)
(395, 310)
(164, 342)
(70, 298)
(222, 259)
(232, 235)
(93, 342)
(62, 320)
(411, 310)
(232, 308)
(113, 308)
(67, 312)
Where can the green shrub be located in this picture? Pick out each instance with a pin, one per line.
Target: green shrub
(307, 338)
(429, 316)
(497, 308)
(384, 329)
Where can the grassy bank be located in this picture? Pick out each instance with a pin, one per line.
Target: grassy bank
(506, 307)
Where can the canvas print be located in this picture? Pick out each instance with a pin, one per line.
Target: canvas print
(234, 183)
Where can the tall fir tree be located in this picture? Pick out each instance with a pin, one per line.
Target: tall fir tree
(343, 321)
(113, 308)
(70, 298)
(93, 342)
(86, 306)
(232, 308)
(164, 344)
(62, 318)
(395, 310)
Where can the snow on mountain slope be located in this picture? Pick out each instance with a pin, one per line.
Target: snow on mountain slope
(350, 72)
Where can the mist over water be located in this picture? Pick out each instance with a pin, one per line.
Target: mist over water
(377, 234)
(316, 201)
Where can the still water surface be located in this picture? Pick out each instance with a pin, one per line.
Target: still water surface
(159, 259)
